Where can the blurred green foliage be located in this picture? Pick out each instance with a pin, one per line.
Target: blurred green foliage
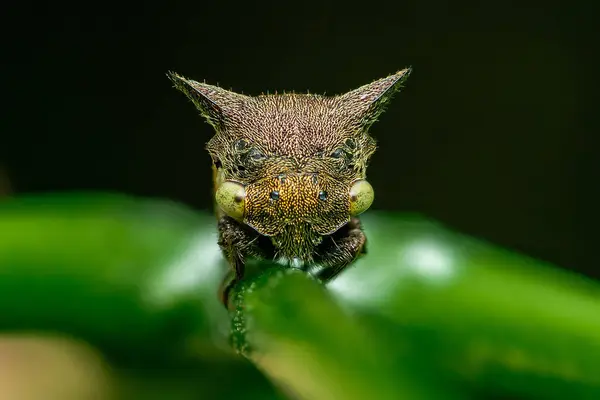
(428, 313)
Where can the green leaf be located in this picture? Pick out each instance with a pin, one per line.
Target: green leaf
(445, 310)
(293, 330)
(427, 313)
(131, 276)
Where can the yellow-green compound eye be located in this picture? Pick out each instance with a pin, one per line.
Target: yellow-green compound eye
(231, 197)
(361, 197)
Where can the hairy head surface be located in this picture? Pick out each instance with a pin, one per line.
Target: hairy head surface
(294, 131)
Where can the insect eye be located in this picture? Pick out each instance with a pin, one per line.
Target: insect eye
(361, 197)
(338, 153)
(231, 197)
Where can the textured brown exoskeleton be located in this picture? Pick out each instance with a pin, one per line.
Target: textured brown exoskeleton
(289, 173)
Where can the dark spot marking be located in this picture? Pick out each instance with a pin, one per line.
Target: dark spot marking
(281, 178)
(256, 154)
(240, 145)
(275, 195)
(322, 195)
(351, 144)
(338, 153)
(315, 179)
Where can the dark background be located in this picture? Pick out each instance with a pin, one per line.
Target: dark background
(489, 136)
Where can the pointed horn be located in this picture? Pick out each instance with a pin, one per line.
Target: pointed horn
(213, 102)
(369, 101)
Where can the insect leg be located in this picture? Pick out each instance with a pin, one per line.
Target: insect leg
(341, 249)
(236, 242)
